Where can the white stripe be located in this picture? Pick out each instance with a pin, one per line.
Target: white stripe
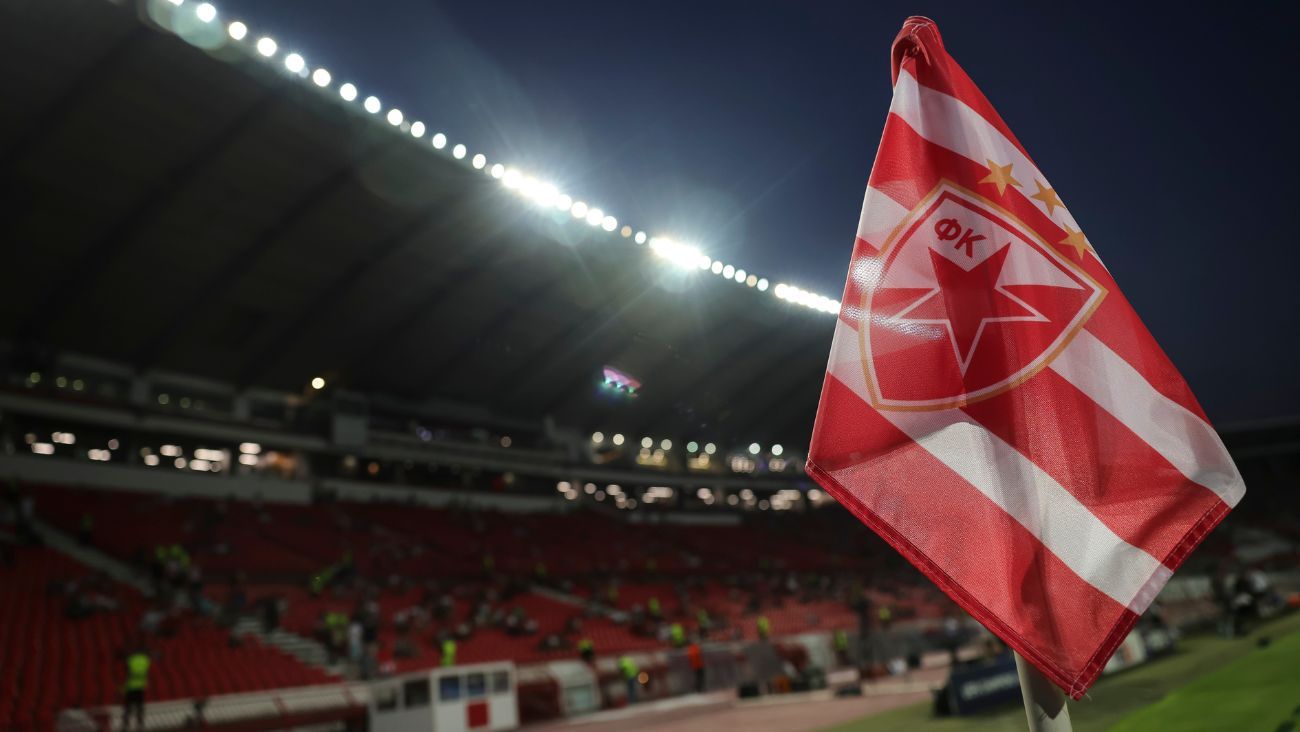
(1033, 498)
(949, 122)
(1181, 437)
(880, 214)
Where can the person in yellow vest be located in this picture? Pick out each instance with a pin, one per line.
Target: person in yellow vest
(449, 652)
(656, 611)
(630, 673)
(677, 634)
(842, 647)
(764, 627)
(885, 615)
(703, 622)
(137, 681)
(587, 650)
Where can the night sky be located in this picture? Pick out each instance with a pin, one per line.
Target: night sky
(750, 128)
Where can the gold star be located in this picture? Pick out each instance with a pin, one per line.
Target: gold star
(1000, 176)
(1048, 197)
(1077, 240)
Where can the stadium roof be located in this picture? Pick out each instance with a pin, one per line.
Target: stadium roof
(207, 211)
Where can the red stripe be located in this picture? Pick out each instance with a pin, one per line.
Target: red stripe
(985, 560)
(1117, 325)
(1125, 483)
(919, 49)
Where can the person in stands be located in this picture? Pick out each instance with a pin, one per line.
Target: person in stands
(630, 672)
(696, 658)
(133, 689)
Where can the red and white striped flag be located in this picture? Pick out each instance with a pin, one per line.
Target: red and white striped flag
(993, 407)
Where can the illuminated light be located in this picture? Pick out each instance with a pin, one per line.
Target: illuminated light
(266, 46)
(206, 12)
(179, 463)
(61, 382)
(716, 268)
(512, 179)
(151, 460)
(618, 439)
(294, 63)
(578, 209)
(372, 105)
(164, 400)
(740, 275)
(394, 117)
(680, 255)
(639, 238)
(506, 441)
(733, 499)
(762, 285)
(563, 486)
(250, 448)
(777, 450)
(781, 290)
(754, 448)
(666, 444)
(348, 92)
(599, 495)
(595, 216)
(751, 280)
(704, 494)
(626, 231)
(249, 460)
(320, 77)
(747, 495)
(459, 151)
(417, 129)
(646, 442)
(237, 30)
(197, 464)
(728, 271)
(479, 162)
(547, 195)
(710, 448)
(614, 489)
(318, 383)
(763, 504)
(498, 170)
(204, 453)
(439, 141)
(170, 450)
(177, 3)
(64, 438)
(597, 437)
(78, 385)
(185, 402)
(589, 488)
(113, 444)
(42, 448)
(692, 446)
(609, 223)
(563, 202)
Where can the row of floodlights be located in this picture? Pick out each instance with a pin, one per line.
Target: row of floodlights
(709, 448)
(541, 193)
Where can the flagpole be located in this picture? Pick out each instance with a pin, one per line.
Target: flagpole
(1044, 702)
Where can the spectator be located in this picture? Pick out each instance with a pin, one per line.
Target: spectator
(449, 652)
(630, 672)
(587, 651)
(696, 658)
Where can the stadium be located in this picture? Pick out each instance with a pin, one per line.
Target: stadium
(313, 417)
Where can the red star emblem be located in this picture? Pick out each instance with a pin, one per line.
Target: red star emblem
(966, 300)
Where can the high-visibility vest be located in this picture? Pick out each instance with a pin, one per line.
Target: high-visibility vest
(677, 633)
(449, 652)
(841, 640)
(585, 645)
(137, 672)
(654, 606)
(628, 667)
(764, 626)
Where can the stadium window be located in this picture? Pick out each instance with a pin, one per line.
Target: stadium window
(500, 682)
(449, 688)
(475, 686)
(386, 698)
(416, 693)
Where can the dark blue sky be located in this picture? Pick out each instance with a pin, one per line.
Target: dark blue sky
(750, 127)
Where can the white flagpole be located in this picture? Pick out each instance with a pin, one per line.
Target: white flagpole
(1044, 702)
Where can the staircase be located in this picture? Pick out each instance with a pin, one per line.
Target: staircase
(307, 650)
(91, 557)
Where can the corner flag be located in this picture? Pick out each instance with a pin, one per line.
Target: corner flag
(993, 407)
